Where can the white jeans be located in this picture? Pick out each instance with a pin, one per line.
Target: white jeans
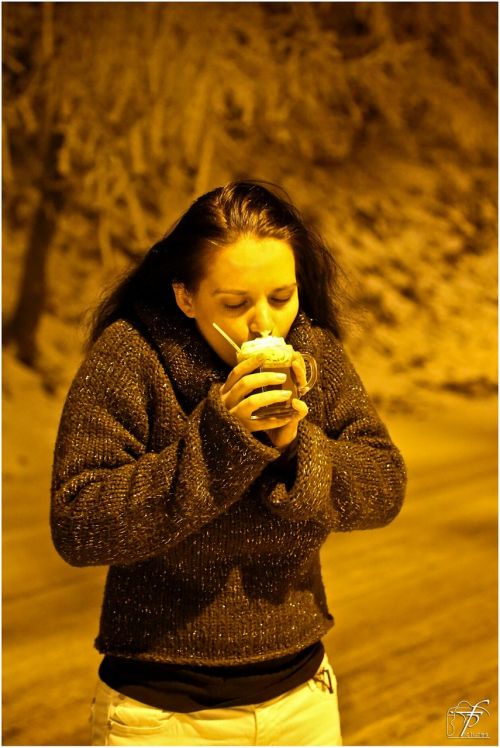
(306, 715)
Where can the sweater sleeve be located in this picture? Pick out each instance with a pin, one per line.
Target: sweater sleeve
(114, 500)
(350, 475)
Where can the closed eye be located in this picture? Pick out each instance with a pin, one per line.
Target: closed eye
(276, 301)
(235, 306)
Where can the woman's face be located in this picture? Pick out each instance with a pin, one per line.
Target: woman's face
(249, 289)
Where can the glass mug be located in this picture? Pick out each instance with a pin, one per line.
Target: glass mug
(278, 358)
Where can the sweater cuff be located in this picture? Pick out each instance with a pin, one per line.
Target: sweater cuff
(306, 498)
(234, 456)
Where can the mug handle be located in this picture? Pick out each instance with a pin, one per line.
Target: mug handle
(313, 376)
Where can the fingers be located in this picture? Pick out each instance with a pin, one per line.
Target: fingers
(300, 408)
(241, 399)
(251, 382)
(250, 404)
(300, 411)
(270, 424)
(245, 409)
(282, 435)
(240, 370)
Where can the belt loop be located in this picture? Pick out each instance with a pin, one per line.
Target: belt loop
(323, 677)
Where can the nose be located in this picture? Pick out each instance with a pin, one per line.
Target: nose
(261, 322)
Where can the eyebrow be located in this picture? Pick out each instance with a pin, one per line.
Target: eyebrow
(239, 292)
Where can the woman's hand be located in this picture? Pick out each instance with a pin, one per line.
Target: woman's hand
(237, 396)
(282, 436)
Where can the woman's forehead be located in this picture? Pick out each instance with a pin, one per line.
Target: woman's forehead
(253, 258)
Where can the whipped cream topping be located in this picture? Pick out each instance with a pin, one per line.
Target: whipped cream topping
(276, 350)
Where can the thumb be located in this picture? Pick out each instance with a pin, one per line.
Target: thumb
(300, 407)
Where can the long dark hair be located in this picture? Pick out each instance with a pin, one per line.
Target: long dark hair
(217, 219)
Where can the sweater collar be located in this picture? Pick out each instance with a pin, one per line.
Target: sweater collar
(192, 365)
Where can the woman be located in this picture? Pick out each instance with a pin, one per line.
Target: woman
(211, 521)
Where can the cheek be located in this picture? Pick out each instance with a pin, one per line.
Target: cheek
(291, 312)
(236, 329)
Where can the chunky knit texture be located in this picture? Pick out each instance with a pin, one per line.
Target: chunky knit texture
(213, 559)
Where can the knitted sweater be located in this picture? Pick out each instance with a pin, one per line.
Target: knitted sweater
(214, 557)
